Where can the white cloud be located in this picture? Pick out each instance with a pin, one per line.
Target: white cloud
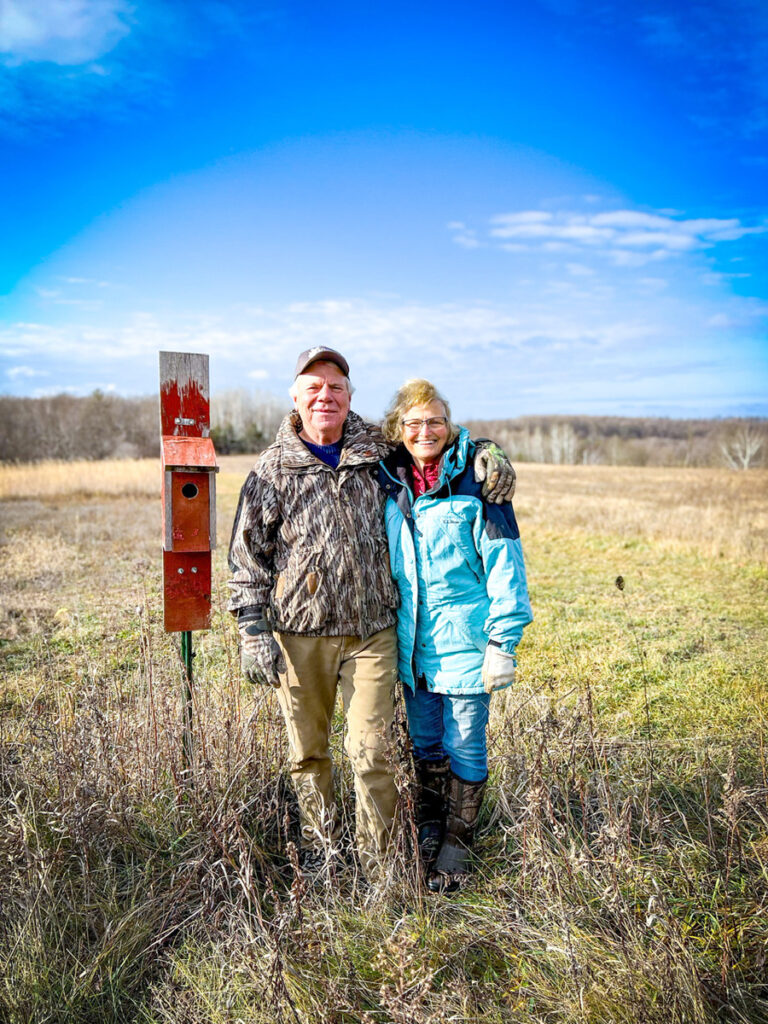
(372, 332)
(573, 343)
(463, 236)
(63, 59)
(622, 258)
(629, 219)
(673, 241)
(467, 241)
(64, 32)
(522, 218)
(720, 320)
(86, 281)
(628, 238)
(20, 372)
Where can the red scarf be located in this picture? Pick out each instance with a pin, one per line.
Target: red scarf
(424, 480)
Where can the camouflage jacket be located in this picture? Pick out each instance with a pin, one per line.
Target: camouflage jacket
(309, 543)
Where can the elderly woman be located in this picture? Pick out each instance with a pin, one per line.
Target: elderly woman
(458, 564)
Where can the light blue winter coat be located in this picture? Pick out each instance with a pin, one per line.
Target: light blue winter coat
(458, 564)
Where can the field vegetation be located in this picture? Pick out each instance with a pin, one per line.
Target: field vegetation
(622, 861)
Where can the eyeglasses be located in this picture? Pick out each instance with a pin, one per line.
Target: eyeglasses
(433, 423)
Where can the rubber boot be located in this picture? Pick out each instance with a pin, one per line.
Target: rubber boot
(454, 859)
(431, 807)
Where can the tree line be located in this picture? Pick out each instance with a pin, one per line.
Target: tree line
(101, 426)
(630, 441)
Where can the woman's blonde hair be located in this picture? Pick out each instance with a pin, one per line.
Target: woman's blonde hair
(414, 392)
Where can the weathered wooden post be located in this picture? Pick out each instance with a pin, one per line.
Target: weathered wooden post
(189, 507)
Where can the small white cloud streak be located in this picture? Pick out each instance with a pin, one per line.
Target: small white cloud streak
(523, 218)
(86, 281)
(719, 320)
(675, 241)
(22, 372)
(622, 258)
(630, 219)
(627, 237)
(467, 241)
(463, 236)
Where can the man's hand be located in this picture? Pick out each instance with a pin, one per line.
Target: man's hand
(493, 467)
(498, 668)
(260, 657)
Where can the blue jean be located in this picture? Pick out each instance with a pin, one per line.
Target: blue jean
(441, 724)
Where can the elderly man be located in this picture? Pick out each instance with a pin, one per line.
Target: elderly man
(315, 601)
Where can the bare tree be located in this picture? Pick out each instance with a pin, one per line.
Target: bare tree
(563, 444)
(245, 421)
(536, 445)
(741, 449)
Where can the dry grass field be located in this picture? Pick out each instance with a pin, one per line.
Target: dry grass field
(623, 855)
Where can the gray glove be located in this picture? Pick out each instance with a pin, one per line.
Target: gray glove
(493, 467)
(498, 669)
(260, 657)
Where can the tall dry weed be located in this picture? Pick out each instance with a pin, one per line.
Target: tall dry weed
(53, 479)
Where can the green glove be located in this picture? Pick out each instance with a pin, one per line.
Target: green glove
(493, 467)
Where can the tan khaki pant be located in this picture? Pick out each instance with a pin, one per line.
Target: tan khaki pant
(366, 671)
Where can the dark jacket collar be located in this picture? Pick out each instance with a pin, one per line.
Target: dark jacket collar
(362, 443)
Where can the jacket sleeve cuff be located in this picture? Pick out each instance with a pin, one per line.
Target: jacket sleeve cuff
(508, 646)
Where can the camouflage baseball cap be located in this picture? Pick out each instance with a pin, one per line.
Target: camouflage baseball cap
(330, 355)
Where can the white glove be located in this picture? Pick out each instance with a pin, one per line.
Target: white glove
(498, 669)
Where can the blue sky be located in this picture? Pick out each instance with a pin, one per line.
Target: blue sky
(546, 207)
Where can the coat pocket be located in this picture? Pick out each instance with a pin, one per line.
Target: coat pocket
(468, 622)
(299, 599)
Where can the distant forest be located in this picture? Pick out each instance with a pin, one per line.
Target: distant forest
(630, 441)
(102, 426)
(107, 426)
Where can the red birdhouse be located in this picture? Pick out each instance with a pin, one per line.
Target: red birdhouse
(189, 491)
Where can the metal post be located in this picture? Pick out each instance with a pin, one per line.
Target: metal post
(187, 654)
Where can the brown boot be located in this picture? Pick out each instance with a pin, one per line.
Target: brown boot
(431, 807)
(453, 861)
